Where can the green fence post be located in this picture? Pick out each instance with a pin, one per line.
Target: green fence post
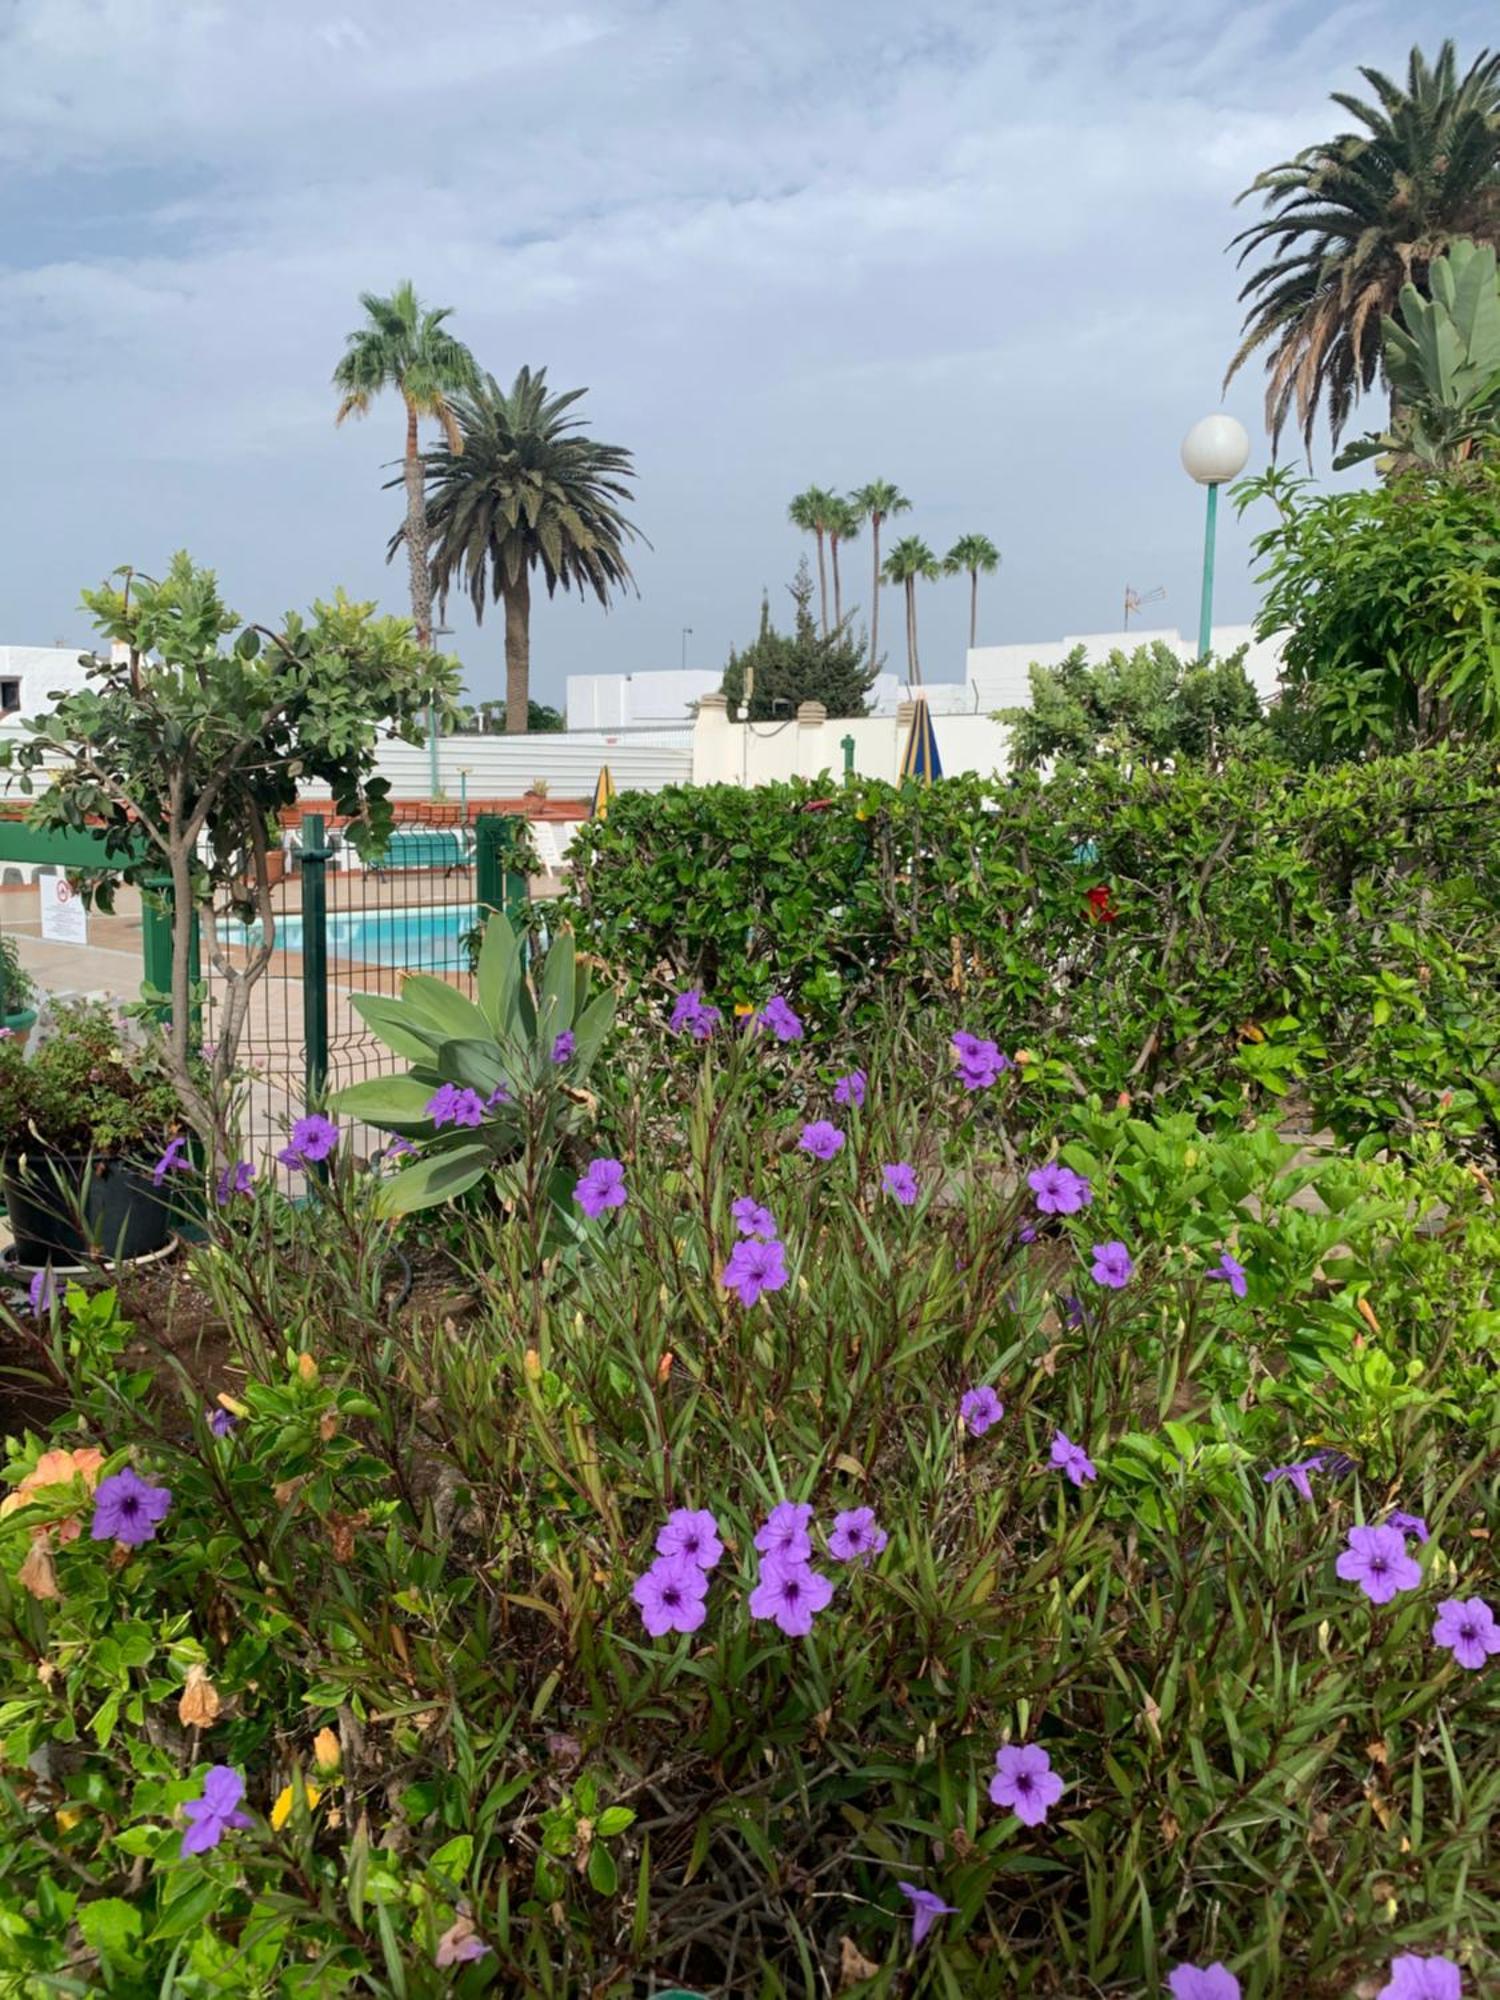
(315, 954)
(497, 884)
(156, 940)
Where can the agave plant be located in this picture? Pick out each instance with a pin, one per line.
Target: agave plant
(490, 1076)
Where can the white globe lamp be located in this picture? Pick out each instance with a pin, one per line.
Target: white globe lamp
(1214, 451)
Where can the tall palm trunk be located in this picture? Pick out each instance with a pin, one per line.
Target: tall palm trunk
(416, 535)
(875, 594)
(913, 670)
(973, 607)
(518, 653)
(822, 581)
(838, 594)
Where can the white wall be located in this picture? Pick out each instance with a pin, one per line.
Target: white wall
(998, 674)
(42, 671)
(759, 753)
(632, 701)
(503, 766)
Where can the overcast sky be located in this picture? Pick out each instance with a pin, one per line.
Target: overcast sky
(975, 249)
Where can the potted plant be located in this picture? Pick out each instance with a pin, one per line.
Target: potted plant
(17, 993)
(85, 1123)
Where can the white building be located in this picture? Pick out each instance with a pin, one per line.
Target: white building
(637, 701)
(30, 676)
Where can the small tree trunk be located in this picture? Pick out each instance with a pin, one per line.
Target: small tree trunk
(518, 653)
(973, 607)
(875, 594)
(416, 535)
(838, 590)
(822, 582)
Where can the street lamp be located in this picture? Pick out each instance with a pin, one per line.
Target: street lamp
(687, 633)
(1213, 451)
(434, 770)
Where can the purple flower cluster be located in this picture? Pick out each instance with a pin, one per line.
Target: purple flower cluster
(602, 1186)
(1025, 1781)
(563, 1047)
(979, 1410)
(979, 1063)
(673, 1592)
(900, 1182)
(1414, 1977)
(235, 1180)
(127, 1509)
(211, 1816)
(1058, 1190)
(1204, 1982)
(1466, 1626)
(822, 1140)
(753, 1267)
(790, 1592)
(1377, 1561)
(173, 1161)
(451, 1104)
(692, 1015)
(850, 1089)
(312, 1139)
(1073, 1460)
(781, 1018)
(857, 1536)
(1231, 1272)
(1112, 1266)
(750, 1219)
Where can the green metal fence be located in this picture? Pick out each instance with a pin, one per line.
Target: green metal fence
(85, 853)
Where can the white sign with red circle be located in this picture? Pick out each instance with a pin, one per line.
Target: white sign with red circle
(64, 919)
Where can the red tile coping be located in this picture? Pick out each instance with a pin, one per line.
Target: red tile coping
(446, 812)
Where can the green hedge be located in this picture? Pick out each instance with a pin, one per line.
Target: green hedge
(1334, 934)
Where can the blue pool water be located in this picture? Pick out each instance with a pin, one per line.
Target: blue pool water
(422, 938)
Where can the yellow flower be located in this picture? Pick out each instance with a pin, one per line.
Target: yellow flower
(326, 1750)
(281, 1812)
(68, 1817)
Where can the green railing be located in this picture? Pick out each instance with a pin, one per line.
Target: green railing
(49, 847)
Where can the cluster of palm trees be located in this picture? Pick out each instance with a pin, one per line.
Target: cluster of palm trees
(1351, 220)
(512, 488)
(833, 519)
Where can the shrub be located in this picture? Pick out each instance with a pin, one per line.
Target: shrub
(1213, 941)
(396, 1596)
(86, 1087)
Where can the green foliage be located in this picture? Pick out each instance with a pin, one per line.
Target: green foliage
(1443, 360)
(1351, 220)
(1391, 602)
(802, 665)
(1144, 708)
(502, 1046)
(17, 987)
(416, 1550)
(406, 347)
(1329, 937)
(84, 1089)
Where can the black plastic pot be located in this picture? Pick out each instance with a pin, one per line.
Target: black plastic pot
(123, 1214)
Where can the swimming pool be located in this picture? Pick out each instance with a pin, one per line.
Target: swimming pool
(424, 937)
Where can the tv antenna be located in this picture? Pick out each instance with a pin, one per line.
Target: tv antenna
(1135, 599)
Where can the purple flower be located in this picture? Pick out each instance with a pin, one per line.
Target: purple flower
(856, 1534)
(671, 1595)
(900, 1182)
(1233, 1274)
(563, 1047)
(753, 1268)
(1073, 1311)
(1204, 1982)
(1297, 1473)
(1058, 1190)
(211, 1817)
(1072, 1459)
(499, 1095)
(313, 1139)
(1467, 1627)
(1416, 1978)
(1408, 1524)
(1377, 1561)
(692, 1533)
(783, 1536)
(173, 1161)
(925, 1911)
(1026, 1233)
(779, 1016)
(850, 1089)
(602, 1187)
(41, 1293)
(980, 1063)
(978, 1409)
(691, 1015)
(750, 1219)
(821, 1139)
(451, 1105)
(790, 1593)
(1025, 1781)
(127, 1510)
(397, 1148)
(460, 1944)
(1112, 1266)
(238, 1179)
(221, 1423)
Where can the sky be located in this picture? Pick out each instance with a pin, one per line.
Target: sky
(978, 250)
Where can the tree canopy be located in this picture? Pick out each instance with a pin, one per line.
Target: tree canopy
(788, 668)
(1147, 707)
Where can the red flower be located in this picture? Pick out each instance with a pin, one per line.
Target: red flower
(1101, 905)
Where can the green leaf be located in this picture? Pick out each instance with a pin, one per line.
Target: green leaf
(613, 1820)
(603, 1874)
(438, 1177)
(442, 1010)
(498, 974)
(394, 1103)
(476, 1064)
(111, 1927)
(395, 1026)
(555, 1009)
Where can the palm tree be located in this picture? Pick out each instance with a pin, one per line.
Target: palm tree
(812, 511)
(844, 523)
(877, 502)
(972, 553)
(405, 348)
(522, 491)
(908, 560)
(1354, 218)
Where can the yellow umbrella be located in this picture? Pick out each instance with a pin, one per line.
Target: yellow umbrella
(604, 791)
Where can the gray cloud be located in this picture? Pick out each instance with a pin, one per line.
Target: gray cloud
(978, 250)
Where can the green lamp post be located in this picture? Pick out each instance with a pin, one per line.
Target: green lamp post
(1213, 452)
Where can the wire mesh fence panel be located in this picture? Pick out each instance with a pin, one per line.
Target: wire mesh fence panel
(411, 910)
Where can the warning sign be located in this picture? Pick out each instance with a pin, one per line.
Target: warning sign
(64, 918)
